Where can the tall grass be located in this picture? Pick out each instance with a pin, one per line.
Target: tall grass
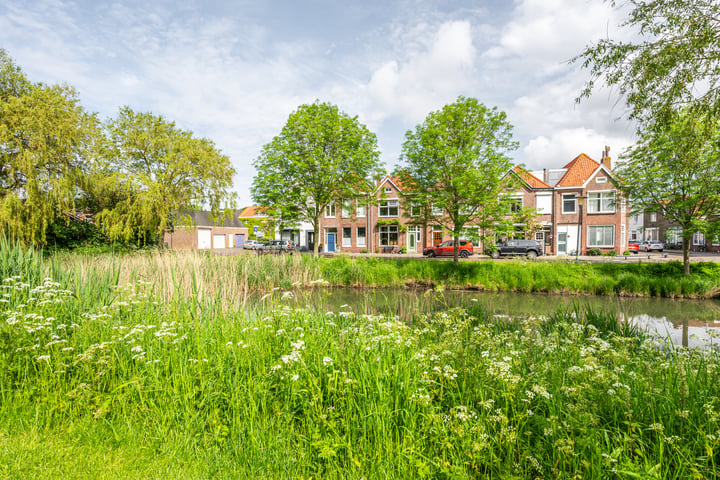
(141, 376)
(184, 274)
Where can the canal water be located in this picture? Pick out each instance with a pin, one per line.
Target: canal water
(686, 322)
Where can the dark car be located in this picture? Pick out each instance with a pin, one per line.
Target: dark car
(279, 246)
(529, 248)
(465, 249)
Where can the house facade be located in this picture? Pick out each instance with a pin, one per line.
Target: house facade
(577, 207)
(200, 231)
(659, 228)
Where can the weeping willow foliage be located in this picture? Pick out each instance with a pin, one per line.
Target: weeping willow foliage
(44, 135)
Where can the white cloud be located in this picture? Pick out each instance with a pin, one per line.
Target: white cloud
(426, 78)
(556, 150)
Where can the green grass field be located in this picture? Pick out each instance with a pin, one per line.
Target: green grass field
(104, 378)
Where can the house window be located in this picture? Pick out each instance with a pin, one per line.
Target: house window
(633, 235)
(347, 237)
(472, 234)
(698, 238)
(543, 203)
(716, 240)
(437, 211)
(601, 236)
(653, 217)
(389, 208)
(674, 235)
(600, 179)
(361, 211)
(652, 234)
(516, 203)
(388, 235)
(569, 203)
(346, 209)
(361, 239)
(388, 190)
(330, 211)
(601, 202)
(415, 210)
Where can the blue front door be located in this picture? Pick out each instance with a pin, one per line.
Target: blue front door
(239, 240)
(331, 242)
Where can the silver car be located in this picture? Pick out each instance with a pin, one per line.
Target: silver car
(252, 244)
(650, 245)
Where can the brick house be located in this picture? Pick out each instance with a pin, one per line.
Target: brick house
(587, 208)
(658, 228)
(201, 231)
(577, 206)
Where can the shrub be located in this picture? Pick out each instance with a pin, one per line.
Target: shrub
(364, 250)
(594, 252)
(403, 249)
(626, 252)
(611, 253)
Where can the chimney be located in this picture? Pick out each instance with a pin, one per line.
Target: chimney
(545, 176)
(606, 158)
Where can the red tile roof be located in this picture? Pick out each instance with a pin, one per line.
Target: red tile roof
(254, 211)
(529, 178)
(578, 171)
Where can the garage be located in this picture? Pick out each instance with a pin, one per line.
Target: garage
(204, 238)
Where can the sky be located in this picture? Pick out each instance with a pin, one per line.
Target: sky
(234, 70)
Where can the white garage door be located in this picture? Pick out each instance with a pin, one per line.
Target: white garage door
(204, 238)
(218, 240)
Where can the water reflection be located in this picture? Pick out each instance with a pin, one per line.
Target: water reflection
(685, 322)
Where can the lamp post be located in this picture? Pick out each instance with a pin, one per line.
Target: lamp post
(580, 205)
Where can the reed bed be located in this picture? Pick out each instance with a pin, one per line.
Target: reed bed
(232, 279)
(131, 378)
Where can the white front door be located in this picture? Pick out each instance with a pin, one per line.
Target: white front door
(204, 238)
(567, 239)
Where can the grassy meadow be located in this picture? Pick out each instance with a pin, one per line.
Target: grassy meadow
(154, 367)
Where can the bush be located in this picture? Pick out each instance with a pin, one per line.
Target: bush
(611, 253)
(627, 252)
(364, 250)
(403, 249)
(594, 252)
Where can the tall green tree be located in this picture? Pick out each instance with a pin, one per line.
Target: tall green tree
(321, 156)
(45, 136)
(154, 170)
(456, 161)
(673, 170)
(675, 62)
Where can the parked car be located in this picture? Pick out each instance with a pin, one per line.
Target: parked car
(633, 247)
(252, 244)
(529, 248)
(465, 249)
(282, 246)
(648, 246)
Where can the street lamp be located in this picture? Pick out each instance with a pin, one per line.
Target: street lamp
(580, 205)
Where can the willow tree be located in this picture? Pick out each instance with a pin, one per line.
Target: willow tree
(44, 134)
(672, 62)
(321, 156)
(455, 164)
(156, 170)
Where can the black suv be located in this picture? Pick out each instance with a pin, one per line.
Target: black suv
(530, 248)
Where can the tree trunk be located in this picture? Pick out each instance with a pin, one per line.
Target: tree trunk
(456, 246)
(686, 255)
(316, 228)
